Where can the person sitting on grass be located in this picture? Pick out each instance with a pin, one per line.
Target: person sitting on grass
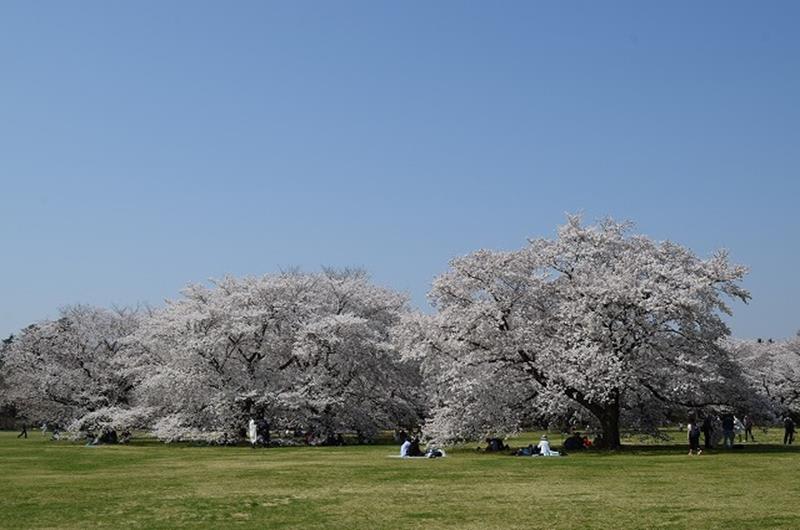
(404, 448)
(544, 447)
(574, 442)
(435, 452)
(495, 445)
(414, 449)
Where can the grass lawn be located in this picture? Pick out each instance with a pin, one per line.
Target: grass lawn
(46, 484)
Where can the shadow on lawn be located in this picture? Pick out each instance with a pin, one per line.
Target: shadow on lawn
(675, 448)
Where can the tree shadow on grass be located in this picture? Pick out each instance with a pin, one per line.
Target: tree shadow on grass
(679, 448)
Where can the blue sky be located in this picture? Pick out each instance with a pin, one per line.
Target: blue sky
(148, 144)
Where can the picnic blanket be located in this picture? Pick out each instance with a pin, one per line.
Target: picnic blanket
(415, 457)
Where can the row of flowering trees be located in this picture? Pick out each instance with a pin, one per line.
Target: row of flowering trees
(614, 328)
(310, 351)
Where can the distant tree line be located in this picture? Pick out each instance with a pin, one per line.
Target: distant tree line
(596, 326)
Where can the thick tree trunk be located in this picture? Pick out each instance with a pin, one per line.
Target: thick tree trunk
(607, 415)
(609, 422)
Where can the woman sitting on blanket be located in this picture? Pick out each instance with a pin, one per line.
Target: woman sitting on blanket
(544, 447)
(411, 448)
(404, 448)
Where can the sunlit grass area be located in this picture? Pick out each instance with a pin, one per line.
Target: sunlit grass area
(49, 484)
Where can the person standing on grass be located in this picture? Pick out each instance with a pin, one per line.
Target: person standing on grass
(708, 428)
(24, 433)
(738, 428)
(252, 432)
(693, 434)
(788, 431)
(727, 430)
(748, 428)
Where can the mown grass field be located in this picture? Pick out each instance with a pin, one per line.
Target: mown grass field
(146, 484)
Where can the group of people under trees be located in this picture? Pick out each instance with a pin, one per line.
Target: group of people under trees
(575, 442)
(91, 437)
(410, 448)
(714, 429)
(726, 428)
(258, 434)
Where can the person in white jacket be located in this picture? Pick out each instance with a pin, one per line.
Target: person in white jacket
(252, 432)
(544, 446)
(404, 448)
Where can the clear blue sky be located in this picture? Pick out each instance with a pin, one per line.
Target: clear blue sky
(147, 144)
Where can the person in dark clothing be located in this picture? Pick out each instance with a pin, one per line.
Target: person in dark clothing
(108, 437)
(414, 450)
(400, 436)
(708, 426)
(262, 427)
(788, 431)
(24, 433)
(574, 442)
(727, 430)
(494, 445)
(748, 428)
(531, 450)
(693, 434)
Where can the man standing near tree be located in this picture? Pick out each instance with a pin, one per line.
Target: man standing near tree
(693, 433)
(728, 430)
(748, 428)
(788, 431)
(708, 427)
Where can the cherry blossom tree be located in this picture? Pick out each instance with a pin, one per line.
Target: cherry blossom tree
(70, 370)
(7, 412)
(308, 351)
(773, 371)
(617, 324)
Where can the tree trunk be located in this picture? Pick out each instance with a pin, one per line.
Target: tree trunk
(609, 422)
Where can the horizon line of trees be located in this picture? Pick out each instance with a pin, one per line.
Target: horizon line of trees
(596, 326)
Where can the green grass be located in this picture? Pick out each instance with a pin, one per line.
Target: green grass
(146, 484)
